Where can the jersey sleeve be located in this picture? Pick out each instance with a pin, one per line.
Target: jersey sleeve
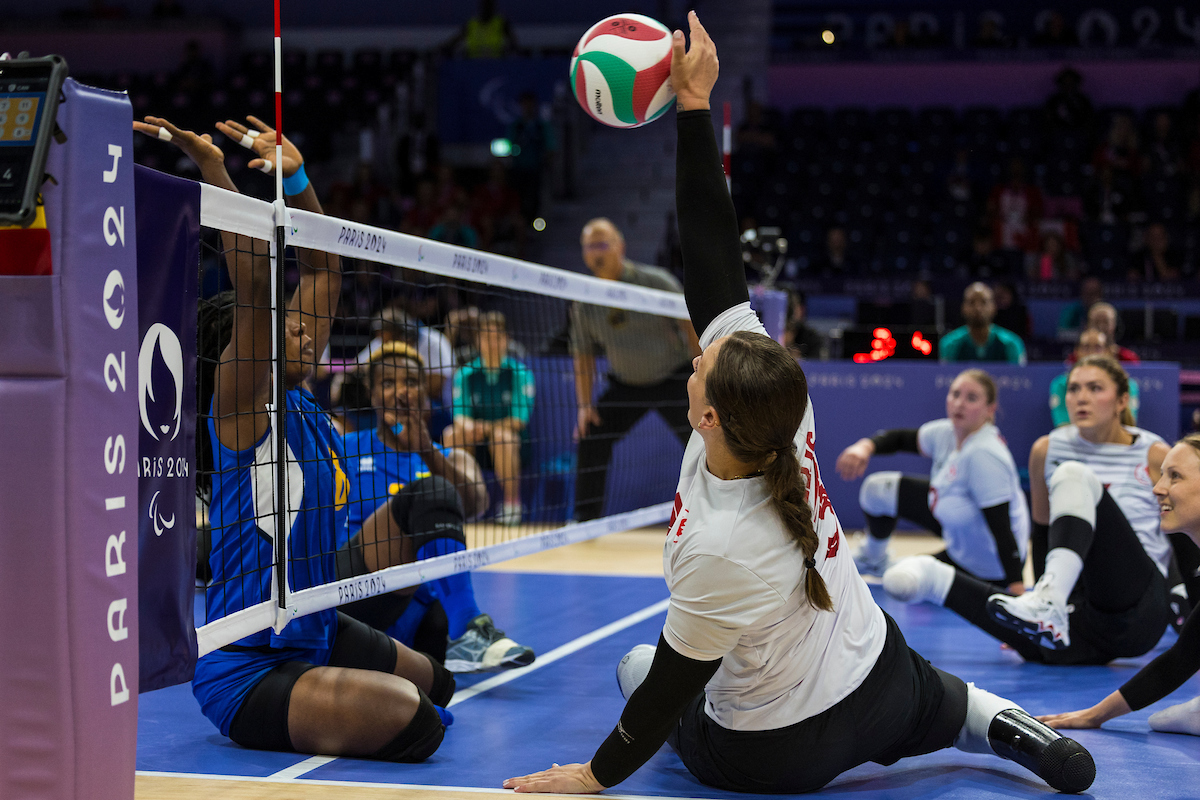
(523, 392)
(737, 318)
(989, 479)
(712, 601)
(929, 437)
(1015, 349)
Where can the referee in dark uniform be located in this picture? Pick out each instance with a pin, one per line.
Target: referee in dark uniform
(649, 361)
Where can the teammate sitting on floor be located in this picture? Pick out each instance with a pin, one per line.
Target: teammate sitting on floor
(1103, 593)
(493, 398)
(972, 499)
(1178, 495)
(775, 671)
(326, 683)
(398, 460)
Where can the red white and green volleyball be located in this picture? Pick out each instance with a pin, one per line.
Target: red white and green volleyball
(621, 70)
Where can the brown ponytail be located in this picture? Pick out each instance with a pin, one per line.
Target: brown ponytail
(760, 395)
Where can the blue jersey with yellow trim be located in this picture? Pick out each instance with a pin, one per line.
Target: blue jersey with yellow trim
(378, 473)
(242, 516)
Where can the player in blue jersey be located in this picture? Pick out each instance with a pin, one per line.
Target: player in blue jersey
(325, 683)
(398, 461)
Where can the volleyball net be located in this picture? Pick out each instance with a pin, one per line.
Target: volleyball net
(441, 366)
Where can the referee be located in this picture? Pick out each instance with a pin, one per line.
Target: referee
(649, 361)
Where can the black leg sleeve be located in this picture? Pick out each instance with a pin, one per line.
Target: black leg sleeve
(1039, 545)
(912, 503)
(968, 598)
(713, 275)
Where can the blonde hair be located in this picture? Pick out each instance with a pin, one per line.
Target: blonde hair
(1118, 375)
(984, 380)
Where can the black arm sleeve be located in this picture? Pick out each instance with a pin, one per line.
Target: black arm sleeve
(713, 275)
(1166, 673)
(1000, 524)
(897, 440)
(652, 711)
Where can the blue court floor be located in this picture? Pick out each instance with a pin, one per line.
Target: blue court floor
(560, 708)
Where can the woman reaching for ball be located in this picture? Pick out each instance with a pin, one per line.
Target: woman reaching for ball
(1178, 495)
(972, 498)
(775, 670)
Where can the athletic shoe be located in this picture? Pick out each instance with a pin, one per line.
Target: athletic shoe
(483, 648)
(1039, 619)
(917, 580)
(509, 514)
(1182, 718)
(868, 565)
(1063, 763)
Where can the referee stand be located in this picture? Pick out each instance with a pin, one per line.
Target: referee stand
(68, 480)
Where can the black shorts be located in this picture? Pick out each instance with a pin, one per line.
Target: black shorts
(904, 707)
(261, 722)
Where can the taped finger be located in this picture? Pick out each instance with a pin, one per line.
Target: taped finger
(266, 167)
(164, 134)
(247, 141)
(253, 134)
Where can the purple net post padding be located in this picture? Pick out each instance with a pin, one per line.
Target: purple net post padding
(168, 247)
(68, 509)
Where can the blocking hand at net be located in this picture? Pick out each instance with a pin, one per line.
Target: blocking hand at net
(199, 148)
(693, 71)
(261, 139)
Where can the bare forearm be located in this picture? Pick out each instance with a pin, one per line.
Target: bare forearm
(585, 373)
(465, 477)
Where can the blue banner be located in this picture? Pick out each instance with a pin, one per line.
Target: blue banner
(479, 98)
(168, 250)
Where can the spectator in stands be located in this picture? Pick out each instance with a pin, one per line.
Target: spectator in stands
(1055, 32)
(417, 151)
(798, 337)
(496, 213)
(1053, 261)
(1092, 342)
(979, 339)
(447, 190)
(649, 362)
(1068, 108)
(1164, 158)
(1107, 200)
(960, 184)
(488, 34)
(1103, 317)
(454, 228)
(1120, 150)
(835, 261)
(984, 260)
(1014, 209)
(924, 310)
(533, 143)
(195, 72)
(755, 136)
(437, 358)
(1074, 316)
(493, 400)
(1011, 313)
(1156, 261)
(990, 34)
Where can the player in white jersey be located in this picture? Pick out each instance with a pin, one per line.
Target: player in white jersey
(972, 497)
(775, 670)
(1102, 594)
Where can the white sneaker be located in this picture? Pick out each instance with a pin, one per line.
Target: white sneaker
(868, 564)
(1182, 718)
(509, 514)
(483, 648)
(918, 579)
(1034, 616)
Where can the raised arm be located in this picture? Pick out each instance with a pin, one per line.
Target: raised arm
(713, 276)
(852, 462)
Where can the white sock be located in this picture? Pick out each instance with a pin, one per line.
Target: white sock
(1063, 566)
(1183, 718)
(919, 579)
(874, 549)
(634, 667)
(982, 708)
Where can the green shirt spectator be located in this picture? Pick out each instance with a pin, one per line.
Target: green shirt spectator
(1001, 345)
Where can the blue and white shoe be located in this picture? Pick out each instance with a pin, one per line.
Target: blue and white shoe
(484, 648)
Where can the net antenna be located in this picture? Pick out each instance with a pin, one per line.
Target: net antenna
(279, 350)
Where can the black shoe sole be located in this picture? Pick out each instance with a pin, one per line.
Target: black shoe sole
(1030, 630)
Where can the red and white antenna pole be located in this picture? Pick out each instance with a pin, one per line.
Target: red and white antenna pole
(278, 108)
(726, 144)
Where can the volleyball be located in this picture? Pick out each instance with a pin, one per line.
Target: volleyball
(621, 70)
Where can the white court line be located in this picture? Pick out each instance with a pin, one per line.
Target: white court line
(416, 787)
(575, 645)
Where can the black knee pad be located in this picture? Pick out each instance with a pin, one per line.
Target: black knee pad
(443, 682)
(428, 509)
(433, 632)
(419, 739)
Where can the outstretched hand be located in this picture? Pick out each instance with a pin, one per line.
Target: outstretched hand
(693, 71)
(261, 140)
(199, 148)
(1087, 718)
(565, 779)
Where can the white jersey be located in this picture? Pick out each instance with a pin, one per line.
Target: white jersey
(1123, 470)
(980, 474)
(737, 589)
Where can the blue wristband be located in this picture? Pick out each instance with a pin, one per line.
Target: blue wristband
(295, 183)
